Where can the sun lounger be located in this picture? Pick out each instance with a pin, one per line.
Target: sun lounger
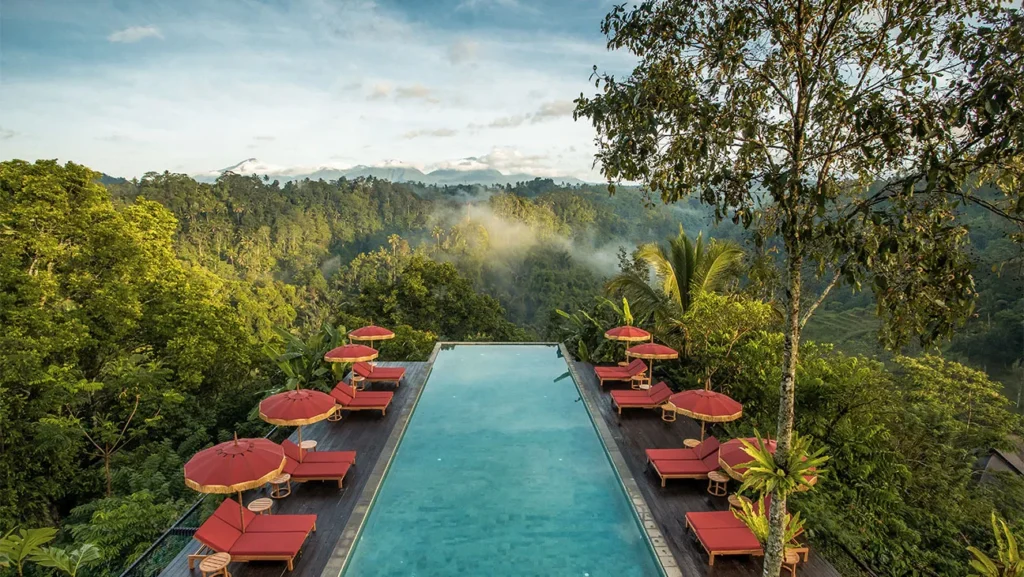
(228, 511)
(718, 542)
(702, 450)
(292, 451)
(349, 400)
(720, 533)
(685, 468)
(266, 538)
(372, 374)
(655, 397)
(626, 373)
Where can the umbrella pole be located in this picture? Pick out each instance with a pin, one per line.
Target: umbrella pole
(702, 423)
(241, 511)
(300, 443)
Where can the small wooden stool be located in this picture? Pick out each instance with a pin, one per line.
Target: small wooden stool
(335, 416)
(281, 486)
(260, 506)
(309, 445)
(216, 564)
(691, 443)
(790, 561)
(668, 413)
(718, 484)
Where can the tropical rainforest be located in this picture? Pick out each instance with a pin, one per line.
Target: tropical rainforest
(143, 319)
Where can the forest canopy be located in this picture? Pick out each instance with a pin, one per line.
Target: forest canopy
(138, 313)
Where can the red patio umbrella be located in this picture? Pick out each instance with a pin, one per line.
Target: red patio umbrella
(627, 334)
(297, 408)
(351, 354)
(706, 406)
(371, 333)
(235, 466)
(652, 351)
(732, 454)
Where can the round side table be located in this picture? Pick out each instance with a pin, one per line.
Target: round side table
(216, 564)
(281, 486)
(260, 506)
(358, 383)
(718, 483)
(691, 443)
(668, 413)
(309, 445)
(735, 500)
(336, 415)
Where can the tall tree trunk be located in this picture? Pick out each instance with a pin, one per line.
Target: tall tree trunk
(773, 551)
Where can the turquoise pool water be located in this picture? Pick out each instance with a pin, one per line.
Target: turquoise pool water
(501, 473)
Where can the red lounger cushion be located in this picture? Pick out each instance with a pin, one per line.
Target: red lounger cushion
(671, 454)
(268, 544)
(217, 534)
(329, 457)
(387, 373)
(362, 401)
(728, 539)
(281, 524)
(320, 470)
(687, 467)
(342, 394)
(368, 371)
(710, 445)
(617, 372)
(292, 451)
(229, 512)
(713, 520)
(657, 389)
(379, 395)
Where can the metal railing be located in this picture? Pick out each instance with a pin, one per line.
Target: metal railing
(170, 543)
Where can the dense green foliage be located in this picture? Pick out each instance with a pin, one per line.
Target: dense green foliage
(144, 321)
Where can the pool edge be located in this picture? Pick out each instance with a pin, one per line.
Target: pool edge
(655, 539)
(354, 526)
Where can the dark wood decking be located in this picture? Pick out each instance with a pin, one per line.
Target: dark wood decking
(362, 431)
(640, 429)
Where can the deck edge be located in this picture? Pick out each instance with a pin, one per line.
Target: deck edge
(662, 552)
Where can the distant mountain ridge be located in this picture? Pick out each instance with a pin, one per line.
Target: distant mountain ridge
(391, 172)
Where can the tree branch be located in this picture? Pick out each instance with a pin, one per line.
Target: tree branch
(821, 298)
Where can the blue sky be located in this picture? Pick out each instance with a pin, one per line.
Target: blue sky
(128, 86)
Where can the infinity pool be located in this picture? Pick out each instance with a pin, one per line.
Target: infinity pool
(501, 473)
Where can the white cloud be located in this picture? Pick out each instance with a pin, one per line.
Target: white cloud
(300, 99)
(135, 33)
(437, 132)
(416, 92)
(380, 90)
(507, 160)
(463, 51)
(7, 134)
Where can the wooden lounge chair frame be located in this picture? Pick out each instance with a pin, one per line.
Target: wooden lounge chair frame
(602, 380)
(759, 552)
(201, 553)
(666, 477)
(650, 406)
(800, 548)
(382, 408)
(372, 379)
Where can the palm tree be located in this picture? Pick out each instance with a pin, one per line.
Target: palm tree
(683, 269)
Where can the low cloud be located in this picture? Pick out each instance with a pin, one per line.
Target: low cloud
(265, 138)
(463, 51)
(135, 34)
(380, 91)
(437, 133)
(415, 92)
(547, 111)
(6, 134)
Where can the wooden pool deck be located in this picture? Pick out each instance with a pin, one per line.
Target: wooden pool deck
(371, 436)
(639, 429)
(365, 432)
